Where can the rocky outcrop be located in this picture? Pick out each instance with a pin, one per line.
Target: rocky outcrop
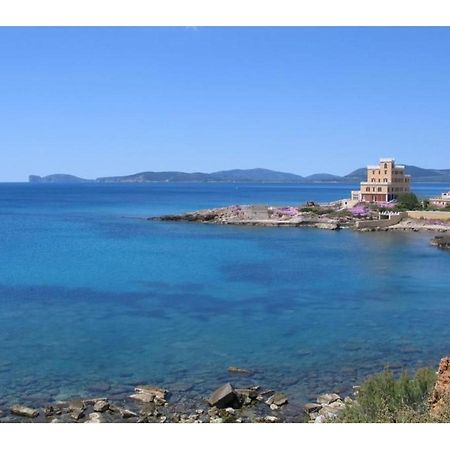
(441, 242)
(263, 215)
(441, 393)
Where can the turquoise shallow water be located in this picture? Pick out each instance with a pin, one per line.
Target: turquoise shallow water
(94, 298)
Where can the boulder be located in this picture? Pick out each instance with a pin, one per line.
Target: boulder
(152, 390)
(95, 417)
(247, 395)
(441, 392)
(312, 407)
(223, 397)
(101, 406)
(127, 414)
(76, 409)
(326, 399)
(24, 411)
(143, 397)
(91, 401)
(277, 399)
(271, 419)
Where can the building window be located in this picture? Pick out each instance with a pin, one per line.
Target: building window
(379, 189)
(385, 165)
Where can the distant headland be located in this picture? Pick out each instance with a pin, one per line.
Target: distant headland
(243, 176)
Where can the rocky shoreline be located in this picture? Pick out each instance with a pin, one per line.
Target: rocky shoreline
(308, 217)
(153, 404)
(226, 404)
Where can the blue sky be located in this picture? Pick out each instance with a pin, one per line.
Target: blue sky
(113, 101)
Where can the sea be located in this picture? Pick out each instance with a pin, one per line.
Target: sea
(95, 298)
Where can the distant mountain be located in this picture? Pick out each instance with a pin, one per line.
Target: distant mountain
(149, 177)
(256, 176)
(324, 178)
(357, 175)
(57, 178)
(418, 174)
(231, 176)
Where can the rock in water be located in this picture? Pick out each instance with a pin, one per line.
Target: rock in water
(311, 407)
(239, 371)
(441, 390)
(152, 390)
(143, 397)
(326, 399)
(127, 414)
(277, 399)
(223, 397)
(101, 406)
(24, 411)
(271, 419)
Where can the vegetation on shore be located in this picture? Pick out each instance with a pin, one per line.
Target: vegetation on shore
(384, 398)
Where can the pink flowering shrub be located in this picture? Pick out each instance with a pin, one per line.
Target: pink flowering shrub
(386, 205)
(360, 211)
(288, 211)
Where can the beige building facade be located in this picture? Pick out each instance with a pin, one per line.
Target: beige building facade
(385, 182)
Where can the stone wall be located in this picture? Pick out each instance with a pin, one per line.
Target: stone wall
(394, 220)
(429, 215)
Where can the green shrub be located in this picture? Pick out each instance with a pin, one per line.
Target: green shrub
(311, 209)
(408, 201)
(384, 398)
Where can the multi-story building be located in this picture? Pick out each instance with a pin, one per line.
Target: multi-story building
(384, 182)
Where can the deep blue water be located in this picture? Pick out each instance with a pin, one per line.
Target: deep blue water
(91, 294)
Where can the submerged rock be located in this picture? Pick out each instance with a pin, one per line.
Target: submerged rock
(24, 411)
(143, 397)
(223, 396)
(239, 371)
(157, 392)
